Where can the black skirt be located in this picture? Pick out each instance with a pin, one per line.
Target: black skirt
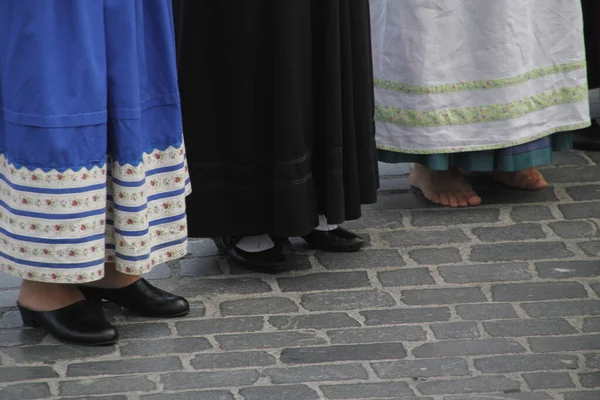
(277, 99)
(591, 17)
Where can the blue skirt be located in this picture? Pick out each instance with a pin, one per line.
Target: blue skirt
(92, 162)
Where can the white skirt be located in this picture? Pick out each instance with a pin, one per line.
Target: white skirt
(467, 75)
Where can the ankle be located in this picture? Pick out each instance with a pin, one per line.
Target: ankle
(114, 279)
(43, 296)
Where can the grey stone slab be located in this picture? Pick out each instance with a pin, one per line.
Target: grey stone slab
(406, 277)
(592, 361)
(53, 353)
(354, 352)
(377, 220)
(446, 217)
(568, 269)
(14, 374)
(283, 392)
(529, 327)
(590, 248)
(574, 229)
(219, 325)
(588, 395)
(230, 360)
(125, 367)
(531, 213)
(408, 238)
(25, 391)
(526, 362)
(8, 298)
(453, 348)
(504, 396)
(101, 386)
(580, 210)
(509, 233)
(591, 325)
(324, 282)
(503, 272)
(406, 316)
(377, 390)
(267, 340)
(350, 300)
(477, 312)
(378, 335)
(564, 343)
(526, 251)
(19, 337)
(572, 174)
(313, 321)
(481, 384)
(192, 287)
(202, 266)
(269, 305)
(202, 248)
(162, 271)
(9, 281)
(316, 373)
(538, 291)
(562, 308)
(191, 395)
(568, 158)
(584, 192)
(548, 380)
(444, 367)
(590, 379)
(443, 296)
(164, 346)
(209, 379)
(456, 330)
(143, 331)
(366, 259)
(11, 319)
(496, 194)
(446, 255)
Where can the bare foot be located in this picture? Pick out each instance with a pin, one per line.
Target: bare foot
(42, 296)
(528, 179)
(114, 279)
(447, 188)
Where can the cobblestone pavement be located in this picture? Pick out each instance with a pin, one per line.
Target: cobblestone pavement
(499, 302)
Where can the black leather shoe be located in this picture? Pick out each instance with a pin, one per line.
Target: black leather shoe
(80, 323)
(270, 261)
(141, 298)
(338, 240)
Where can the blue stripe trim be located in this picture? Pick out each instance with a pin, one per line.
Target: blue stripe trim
(92, 213)
(64, 266)
(143, 207)
(31, 189)
(30, 239)
(149, 173)
(155, 248)
(151, 224)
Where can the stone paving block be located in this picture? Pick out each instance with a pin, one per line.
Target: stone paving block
(268, 305)
(267, 340)
(591, 395)
(497, 194)
(19, 337)
(443, 367)
(548, 380)
(565, 343)
(316, 373)
(8, 298)
(538, 291)
(299, 392)
(596, 288)
(378, 335)
(406, 277)
(336, 301)
(526, 363)
(232, 360)
(25, 391)
(485, 273)
(201, 287)
(14, 374)
(165, 346)
(124, 367)
(531, 327)
(11, 319)
(584, 192)
(481, 384)
(377, 219)
(406, 316)
(313, 321)
(482, 312)
(580, 210)
(568, 269)
(453, 348)
(112, 385)
(572, 174)
(504, 396)
(49, 354)
(209, 380)
(369, 391)
(592, 360)
(562, 158)
(562, 308)
(531, 213)
(107, 397)
(509, 233)
(591, 325)
(590, 248)
(574, 229)
(446, 217)
(324, 282)
(202, 266)
(499, 252)
(408, 238)
(443, 296)
(202, 248)
(9, 282)
(590, 379)
(192, 395)
(456, 330)
(143, 331)
(162, 271)
(356, 352)
(366, 259)
(219, 325)
(446, 255)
